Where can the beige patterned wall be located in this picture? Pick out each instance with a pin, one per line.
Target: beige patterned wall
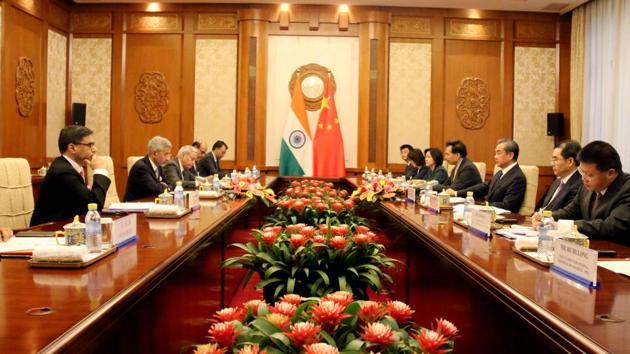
(409, 97)
(215, 92)
(56, 90)
(91, 84)
(534, 97)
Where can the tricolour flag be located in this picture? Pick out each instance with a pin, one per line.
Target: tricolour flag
(328, 156)
(296, 149)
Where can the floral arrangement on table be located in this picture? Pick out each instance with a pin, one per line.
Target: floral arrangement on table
(314, 202)
(379, 188)
(324, 325)
(249, 187)
(312, 261)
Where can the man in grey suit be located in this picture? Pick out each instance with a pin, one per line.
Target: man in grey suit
(601, 209)
(564, 163)
(178, 169)
(464, 174)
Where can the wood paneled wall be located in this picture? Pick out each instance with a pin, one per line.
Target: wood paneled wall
(476, 44)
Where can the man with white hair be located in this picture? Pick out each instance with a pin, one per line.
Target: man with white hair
(146, 178)
(178, 169)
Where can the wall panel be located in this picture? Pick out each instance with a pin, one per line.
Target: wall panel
(474, 60)
(56, 90)
(161, 53)
(215, 92)
(409, 97)
(91, 84)
(534, 97)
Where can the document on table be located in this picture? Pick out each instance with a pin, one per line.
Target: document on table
(621, 267)
(17, 246)
(133, 206)
(517, 232)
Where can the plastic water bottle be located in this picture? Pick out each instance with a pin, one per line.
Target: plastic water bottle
(248, 173)
(216, 184)
(255, 173)
(93, 230)
(545, 240)
(468, 206)
(234, 177)
(178, 197)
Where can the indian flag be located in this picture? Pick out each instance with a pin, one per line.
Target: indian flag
(296, 149)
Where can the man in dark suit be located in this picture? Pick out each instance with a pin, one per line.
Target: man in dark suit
(601, 208)
(202, 149)
(464, 175)
(506, 189)
(178, 169)
(564, 163)
(410, 171)
(146, 178)
(209, 164)
(64, 193)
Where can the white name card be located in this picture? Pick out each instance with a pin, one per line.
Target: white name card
(411, 194)
(125, 229)
(434, 202)
(576, 262)
(193, 199)
(481, 221)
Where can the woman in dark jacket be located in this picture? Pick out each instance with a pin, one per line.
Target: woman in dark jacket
(416, 160)
(436, 171)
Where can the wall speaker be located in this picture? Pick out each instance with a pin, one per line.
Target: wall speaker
(78, 113)
(555, 122)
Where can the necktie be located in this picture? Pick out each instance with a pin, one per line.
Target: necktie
(595, 203)
(555, 194)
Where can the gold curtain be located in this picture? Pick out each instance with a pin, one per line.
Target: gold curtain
(577, 72)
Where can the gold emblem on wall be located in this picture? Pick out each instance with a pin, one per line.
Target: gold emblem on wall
(25, 86)
(473, 103)
(151, 97)
(313, 78)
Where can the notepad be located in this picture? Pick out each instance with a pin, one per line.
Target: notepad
(621, 267)
(23, 246)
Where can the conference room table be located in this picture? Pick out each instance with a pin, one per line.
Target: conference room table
(147, 296)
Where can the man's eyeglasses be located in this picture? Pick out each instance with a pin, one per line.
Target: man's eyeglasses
(89, 145)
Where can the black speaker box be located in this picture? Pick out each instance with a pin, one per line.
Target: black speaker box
(554, 124)
(78, 113)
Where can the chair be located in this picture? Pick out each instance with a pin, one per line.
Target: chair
(481, 167)
(16, 193)
(130, 161)
(112, 193)
(531, 175)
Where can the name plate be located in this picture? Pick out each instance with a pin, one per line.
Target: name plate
(193, 199)
(125, 230)
(481, 222)
(434, 203)
(411, 194)
(576, 262)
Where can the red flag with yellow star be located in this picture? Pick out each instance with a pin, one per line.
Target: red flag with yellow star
(328, 157)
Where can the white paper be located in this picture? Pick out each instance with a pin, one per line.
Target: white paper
(27, 243)
(578, 260)
(124, 228)
(621, 267)
(456, 200)
(517, 233)
(133, 206)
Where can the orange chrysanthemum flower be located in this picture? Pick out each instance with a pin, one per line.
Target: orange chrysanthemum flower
(230, 314)
(320, 348)
(371, 311)
(328, 313)
(378, 333)
(400, 311)
(251, 349)
(338, 242)
(285, 308)
(308, 231)
(223, 333)
(279, 320)
(446, 328)
(303, 333)
(294, 299)
(253, 304)
(212, 348)
(361, 239)
(343, 298)
(430, 341)
(269, 237)
(297, 240)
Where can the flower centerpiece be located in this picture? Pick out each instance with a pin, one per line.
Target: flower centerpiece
(379, 188)
(249, 187)
(314, 202)
(328, 325)
(312, 261)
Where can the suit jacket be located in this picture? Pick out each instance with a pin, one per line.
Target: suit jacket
(173, 173)
(143, 182)
(610, 219)
(505, 192)
(565, 195)
(420, 172)
(208, 167)
(467, 175)
(63, 193)
(439, 174)
(410, 171)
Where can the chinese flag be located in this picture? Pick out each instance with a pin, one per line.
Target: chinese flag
(328, 157)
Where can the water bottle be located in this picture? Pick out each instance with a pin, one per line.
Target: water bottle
(178, 198)
(255, 173)
(234, 177)
(545, 240)
(468, 207)
(93, 230)
(248, 173)
(216, 184)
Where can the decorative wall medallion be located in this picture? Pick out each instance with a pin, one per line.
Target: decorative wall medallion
(473, 103)
(417, 26)
(25, 86)
(216, 22)
(151, 97)
(313, 78)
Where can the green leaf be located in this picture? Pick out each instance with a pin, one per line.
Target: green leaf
(266, 327)
(324, 277)
(272, 270)
(290, 285)
(355, 345)
(342, 284)
(279, 289)
(281, 338)
(328, 338)
(266, 282)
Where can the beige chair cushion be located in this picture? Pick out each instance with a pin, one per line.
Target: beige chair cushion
(112, 193)
(481, 167)
(531, 174)
(130, 161)
(16, 193)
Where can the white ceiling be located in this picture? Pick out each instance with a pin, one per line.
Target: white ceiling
(554, 6)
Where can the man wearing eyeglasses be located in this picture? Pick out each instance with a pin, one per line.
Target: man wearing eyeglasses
(564, 163)
(64, 192)
(601, 208)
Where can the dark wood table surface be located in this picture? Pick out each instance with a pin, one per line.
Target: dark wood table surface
(568, 309)
(79, 298)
